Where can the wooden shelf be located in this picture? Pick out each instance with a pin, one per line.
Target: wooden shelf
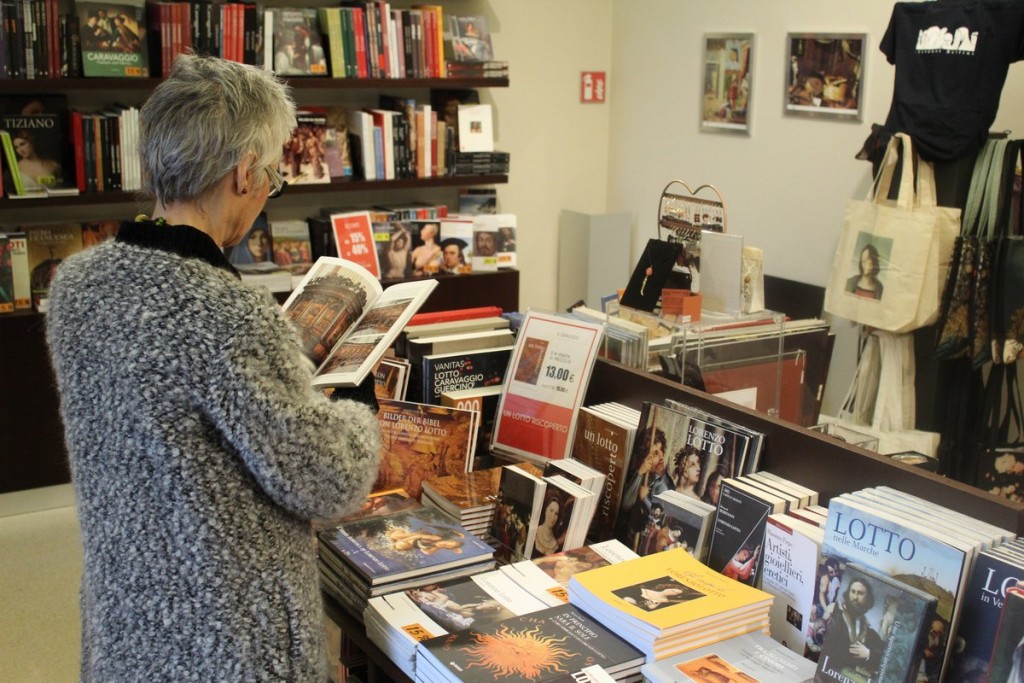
(94, 198)
(49, 85)
(822, 463)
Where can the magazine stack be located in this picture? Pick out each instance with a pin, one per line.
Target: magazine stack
(554, 644)
(466, 497)
(669, 602)
(396, 622)
(372, 556)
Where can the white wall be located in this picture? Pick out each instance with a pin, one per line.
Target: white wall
(559, 146)
(787, 184)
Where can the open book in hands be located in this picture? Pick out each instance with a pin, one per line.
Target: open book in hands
(346, 320)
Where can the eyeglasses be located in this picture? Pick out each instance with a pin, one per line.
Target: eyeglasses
(277, 183)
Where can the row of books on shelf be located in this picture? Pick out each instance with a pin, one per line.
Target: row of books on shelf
(135, 38)
(278, 254)
(452, 135)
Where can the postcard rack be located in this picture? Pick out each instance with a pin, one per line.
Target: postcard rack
(684, 213)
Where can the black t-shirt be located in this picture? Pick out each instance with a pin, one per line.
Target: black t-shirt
(951, 60)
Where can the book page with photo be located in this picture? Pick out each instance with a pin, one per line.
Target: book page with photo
(346, 321)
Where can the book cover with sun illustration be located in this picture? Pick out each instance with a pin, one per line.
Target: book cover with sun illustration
(553, 644)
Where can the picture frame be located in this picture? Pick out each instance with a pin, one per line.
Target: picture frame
(825, 75)
(727, 83)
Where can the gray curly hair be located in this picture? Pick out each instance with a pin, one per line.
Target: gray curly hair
(204, 119)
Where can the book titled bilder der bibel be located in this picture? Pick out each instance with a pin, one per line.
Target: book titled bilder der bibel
(346, 320)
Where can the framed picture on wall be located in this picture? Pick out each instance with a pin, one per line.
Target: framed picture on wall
(728, 82)
(825, 75)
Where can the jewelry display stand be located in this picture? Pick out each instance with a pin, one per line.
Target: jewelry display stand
(685, 215)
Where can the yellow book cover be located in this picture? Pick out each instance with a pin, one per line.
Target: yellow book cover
(665, 592)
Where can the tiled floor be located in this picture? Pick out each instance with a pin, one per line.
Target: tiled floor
(40, 568)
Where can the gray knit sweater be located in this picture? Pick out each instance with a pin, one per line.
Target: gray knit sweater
(198, 454)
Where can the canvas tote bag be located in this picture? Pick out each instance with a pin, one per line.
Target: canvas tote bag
(906, 243)
(881, 399)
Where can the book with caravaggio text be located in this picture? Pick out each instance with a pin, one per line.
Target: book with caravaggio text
(462, 370)
(346, 321)
(113, 38)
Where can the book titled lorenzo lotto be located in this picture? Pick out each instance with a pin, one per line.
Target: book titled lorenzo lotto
(552, 644)
(876, 633)
(404, 544)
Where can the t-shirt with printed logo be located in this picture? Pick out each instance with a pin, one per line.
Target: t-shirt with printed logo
(951, 59)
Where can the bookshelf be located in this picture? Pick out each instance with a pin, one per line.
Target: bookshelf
(32, 457)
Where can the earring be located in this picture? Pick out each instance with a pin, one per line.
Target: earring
(245, 190)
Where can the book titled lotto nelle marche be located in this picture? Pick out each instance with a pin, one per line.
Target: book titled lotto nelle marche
(669, 602)
(553, 644)
(916, 554)
(346, 320)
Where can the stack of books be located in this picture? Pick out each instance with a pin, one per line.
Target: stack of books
(603, 441)
(396, 622)
(917, 543)
(750, 657)
(668, 603)
(466, 497)
(372, 556)
(480, 163)
(547, 577)
(554, 644)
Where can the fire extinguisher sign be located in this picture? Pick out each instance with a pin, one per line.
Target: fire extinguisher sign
(592, 86)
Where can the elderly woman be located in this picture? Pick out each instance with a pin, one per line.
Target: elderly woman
(199, 452)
